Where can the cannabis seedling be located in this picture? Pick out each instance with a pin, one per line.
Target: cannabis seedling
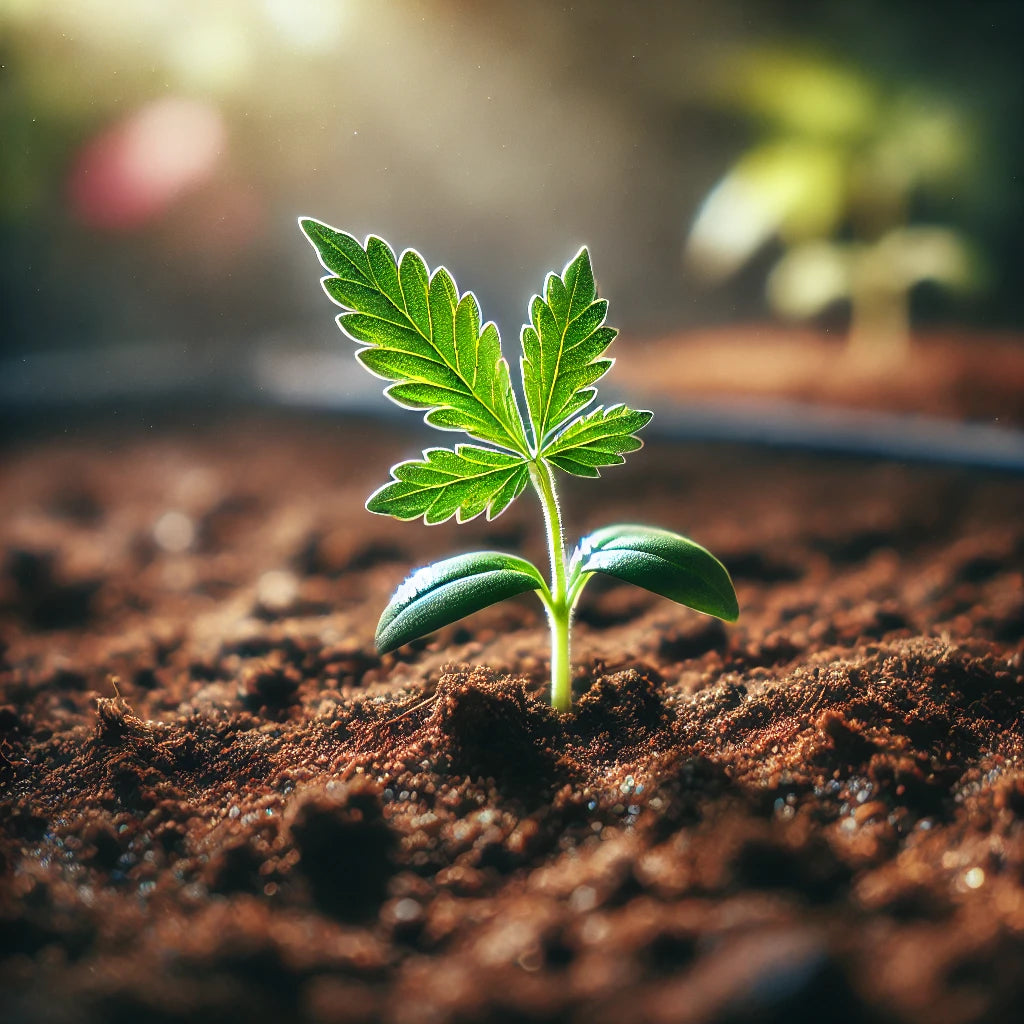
(427, 338)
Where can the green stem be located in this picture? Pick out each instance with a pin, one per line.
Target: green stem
(558, 607)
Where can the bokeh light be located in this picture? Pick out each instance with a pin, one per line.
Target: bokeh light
(157, 155)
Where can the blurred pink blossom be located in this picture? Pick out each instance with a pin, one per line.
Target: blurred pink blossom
(128, 174)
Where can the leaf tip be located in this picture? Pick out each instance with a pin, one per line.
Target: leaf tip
(732, 608)
(378, 503)
(381, 641)
(308, 226)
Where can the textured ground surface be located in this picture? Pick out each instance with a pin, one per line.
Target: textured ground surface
(219, 804)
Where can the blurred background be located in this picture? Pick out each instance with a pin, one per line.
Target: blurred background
(854, 167)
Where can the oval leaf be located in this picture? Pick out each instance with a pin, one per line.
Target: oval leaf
(448, 590)
(663, 562)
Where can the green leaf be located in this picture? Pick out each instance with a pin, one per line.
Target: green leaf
(448, 590)
(600, 438)
(422, 334)
(461, 483)
(662, 562)
(562, 346)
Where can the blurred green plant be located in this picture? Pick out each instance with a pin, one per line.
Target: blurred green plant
(841, 163)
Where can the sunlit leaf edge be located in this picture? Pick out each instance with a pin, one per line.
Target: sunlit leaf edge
(446, 591)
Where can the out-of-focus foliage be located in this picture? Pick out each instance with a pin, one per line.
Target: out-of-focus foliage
(155, 153)
(840, 163)
(793, 188)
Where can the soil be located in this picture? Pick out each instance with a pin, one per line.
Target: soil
(966, 377)
(219, 804)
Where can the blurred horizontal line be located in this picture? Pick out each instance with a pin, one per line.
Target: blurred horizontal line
(897, 436)
(326, 381)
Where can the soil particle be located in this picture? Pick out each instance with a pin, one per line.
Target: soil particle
(218, 802)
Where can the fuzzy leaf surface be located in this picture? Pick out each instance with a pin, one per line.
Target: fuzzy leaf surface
(663, 562)
(562, 347)
(445, 483)
(447, 591)
(422, 334)
(600, 438)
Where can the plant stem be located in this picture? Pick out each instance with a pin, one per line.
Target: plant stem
(880, 325)
(559, 610)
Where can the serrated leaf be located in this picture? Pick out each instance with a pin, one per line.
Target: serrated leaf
(447, 591)
(562, 346)
(600, 438)
(663, 562)
(423, 335)
(461, 483)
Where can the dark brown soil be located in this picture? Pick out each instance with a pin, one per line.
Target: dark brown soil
(219, 804)
(968, 377)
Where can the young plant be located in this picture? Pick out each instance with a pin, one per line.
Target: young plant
(426, 337)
